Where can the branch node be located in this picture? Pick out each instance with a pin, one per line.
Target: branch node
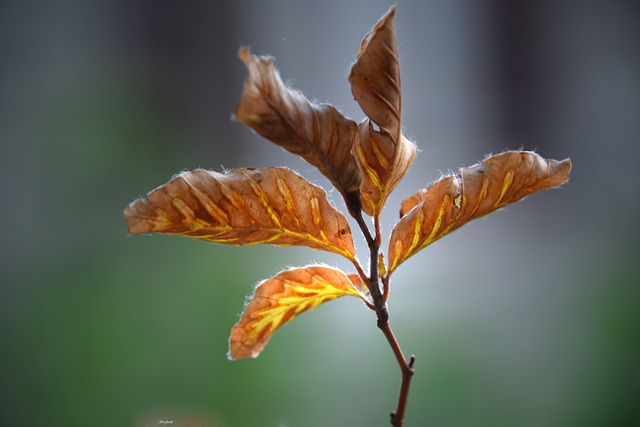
(395, 422)
(383, 318)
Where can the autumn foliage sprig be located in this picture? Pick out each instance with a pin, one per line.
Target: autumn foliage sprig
(364, 162)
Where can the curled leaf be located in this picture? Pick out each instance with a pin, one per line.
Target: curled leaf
(375, 76)
(383, 155)
(472, 193)
(382, 162)
(244, 207)
(279, 299)
(317, 132)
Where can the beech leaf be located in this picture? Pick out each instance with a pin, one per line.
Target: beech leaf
(278, 300)
(317, 132)
(382, 162)
(469, 194)
(383, 155)
(244, 207)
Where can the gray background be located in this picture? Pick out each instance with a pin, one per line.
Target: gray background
(528, 317)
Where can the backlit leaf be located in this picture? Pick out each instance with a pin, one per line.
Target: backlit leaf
(382, 162)
(317, 132)
(357, 282)
(279, 299)
(383, 155)
(471, 193)
(244, 207)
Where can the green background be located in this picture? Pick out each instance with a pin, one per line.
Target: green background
(529, 317)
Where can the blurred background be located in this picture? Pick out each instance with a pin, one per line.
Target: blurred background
(528, 317)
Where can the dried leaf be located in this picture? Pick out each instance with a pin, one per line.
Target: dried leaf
(471, 193)
(382, 163)
(244, 207)
(383, 155)
(279, 299)
(317, 132)
(375, 76)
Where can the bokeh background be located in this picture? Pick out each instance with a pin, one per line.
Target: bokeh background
(528, 317)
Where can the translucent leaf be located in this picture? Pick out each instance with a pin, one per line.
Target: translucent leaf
(382, 162)
(472, 193)
(244, 207)
(317, 132)
(383, 155)
(279, 299)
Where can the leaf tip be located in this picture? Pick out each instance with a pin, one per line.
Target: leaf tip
(240, 347)
(387, 18)
(558, 172)
(245, 54)
(134, 217)
(237, 352)
(565, 168)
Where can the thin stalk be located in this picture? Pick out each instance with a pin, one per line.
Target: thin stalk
(397, 417)
(385, 287)
(376, 221)
(373, 243)
(380, 306)
(360, 271)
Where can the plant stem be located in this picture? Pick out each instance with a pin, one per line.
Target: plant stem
(397, 418)
(374, 246)
(385, 286)
(380, 305)
(360, 271)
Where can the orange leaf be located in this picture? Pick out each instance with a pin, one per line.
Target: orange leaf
(471, 193)
(317, 132)
(244, 207)
(357, 282)
(279, 299)
(383, 155)
(382, 163)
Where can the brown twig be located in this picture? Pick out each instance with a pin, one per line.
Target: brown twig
(374, 246)
(385, 287)
(397, 417)
(380, 306)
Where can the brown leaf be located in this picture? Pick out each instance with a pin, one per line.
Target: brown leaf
(471, 193)
(279, 299)
(383, 155)
(244, 207)
(382, 162)
(317, 132)
(375, 76)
